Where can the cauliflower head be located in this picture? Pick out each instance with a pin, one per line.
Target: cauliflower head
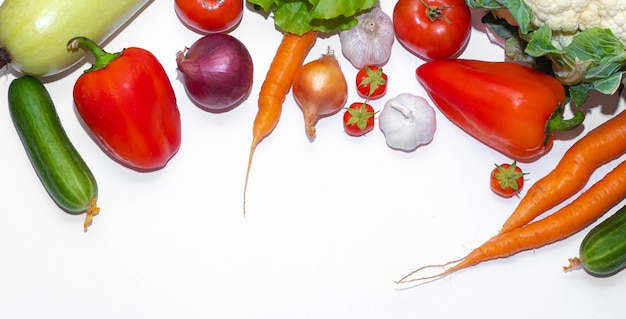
(583, 40)
(571, 16)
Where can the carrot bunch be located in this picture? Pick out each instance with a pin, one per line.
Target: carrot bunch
(519, 232)
(300, 23)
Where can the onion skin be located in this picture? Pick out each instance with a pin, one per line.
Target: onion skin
(320, 89)
(217, 71)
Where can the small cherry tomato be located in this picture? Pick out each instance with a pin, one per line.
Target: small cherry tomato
(358, 119)
(432, 29)
(209, 16)
(507, 180)
(371, 82)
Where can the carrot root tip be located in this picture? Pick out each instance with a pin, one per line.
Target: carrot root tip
(447, 267)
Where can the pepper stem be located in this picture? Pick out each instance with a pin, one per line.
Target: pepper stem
(556, 122)
(102, 58)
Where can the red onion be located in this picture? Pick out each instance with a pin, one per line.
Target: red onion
(217, 71)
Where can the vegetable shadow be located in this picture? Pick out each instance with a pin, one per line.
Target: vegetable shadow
(607, 104)
(107, 151)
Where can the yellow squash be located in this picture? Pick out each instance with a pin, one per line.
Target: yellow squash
(35, 33)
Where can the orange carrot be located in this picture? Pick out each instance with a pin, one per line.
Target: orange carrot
(289, 56)
(581, 212)
(598, 147)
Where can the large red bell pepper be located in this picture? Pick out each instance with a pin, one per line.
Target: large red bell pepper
(128, 103)
(507, 106)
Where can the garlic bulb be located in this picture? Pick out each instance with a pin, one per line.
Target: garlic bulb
(407, 121)
(370, 41)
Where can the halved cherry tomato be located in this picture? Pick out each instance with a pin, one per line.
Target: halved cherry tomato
(371, 82)
(507, 180)
(209, 16)
(432, 29)
(358, 119)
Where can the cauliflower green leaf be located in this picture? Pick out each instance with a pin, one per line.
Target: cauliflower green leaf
(595, 59)
(583, 60)
(522, 13)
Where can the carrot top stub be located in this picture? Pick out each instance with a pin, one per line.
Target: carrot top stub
(301, 16)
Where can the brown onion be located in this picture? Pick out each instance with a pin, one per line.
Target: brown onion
(320, 89)
(217, 71)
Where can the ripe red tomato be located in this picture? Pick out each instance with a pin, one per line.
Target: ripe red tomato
(371, 82)
(209, 16)
(507, 180)
(358, 119)
(432, 29)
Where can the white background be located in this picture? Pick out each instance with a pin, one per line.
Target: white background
(330, 224)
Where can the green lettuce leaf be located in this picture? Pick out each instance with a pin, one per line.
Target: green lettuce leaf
(300, 16)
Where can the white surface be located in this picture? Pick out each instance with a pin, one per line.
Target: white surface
(330, 224)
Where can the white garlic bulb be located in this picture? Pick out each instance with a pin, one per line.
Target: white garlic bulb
(407, 121)
(370, 41)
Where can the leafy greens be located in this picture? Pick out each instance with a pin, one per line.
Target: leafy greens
(591, 59)
(300, 16)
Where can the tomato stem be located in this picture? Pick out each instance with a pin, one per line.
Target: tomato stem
(211, 4)
(102, 58)
(508, 176)
(360, 116)
(373, 79)
(434, 13)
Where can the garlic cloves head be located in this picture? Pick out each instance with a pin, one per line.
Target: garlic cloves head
(370, 41)
(407, 121)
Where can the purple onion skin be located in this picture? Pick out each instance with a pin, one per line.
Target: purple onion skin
(217, 72)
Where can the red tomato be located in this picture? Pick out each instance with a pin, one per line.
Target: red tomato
(507, 180)
(209, 16)
(358, 119)
(432, 29)
(371, 82)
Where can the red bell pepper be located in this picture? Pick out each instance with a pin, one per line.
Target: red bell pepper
(128, 103)
(507, 106)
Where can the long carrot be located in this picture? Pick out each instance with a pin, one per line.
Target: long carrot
(581, 212)
(598, 147)
(289, 56)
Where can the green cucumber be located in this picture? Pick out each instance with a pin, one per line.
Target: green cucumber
(58, 164)
(603, 249)
(34, 33)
